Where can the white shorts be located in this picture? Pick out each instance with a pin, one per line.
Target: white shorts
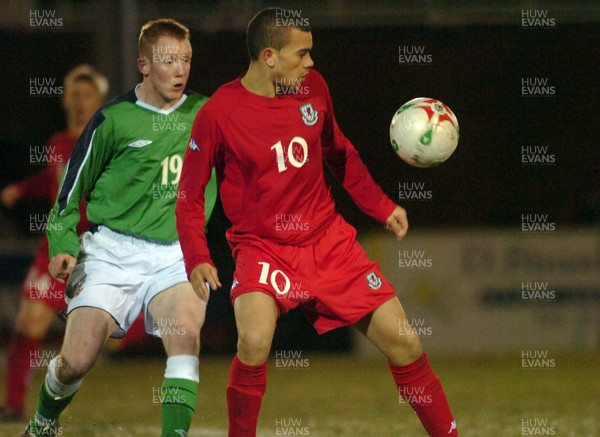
(121, 274)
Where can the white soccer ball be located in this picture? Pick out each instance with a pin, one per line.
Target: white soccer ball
(424, 132)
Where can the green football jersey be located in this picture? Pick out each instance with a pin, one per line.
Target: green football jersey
(127, 164)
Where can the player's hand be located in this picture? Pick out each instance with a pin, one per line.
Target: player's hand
(9, 196)
(397, 223)
(201, 274)
(61, 266)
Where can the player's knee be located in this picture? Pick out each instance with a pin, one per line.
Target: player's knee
(70, 369)
(253, 347)
(402, 349)
(180, 333)
(190, 332)
(188, 320)
(411, 346)
(187, 324)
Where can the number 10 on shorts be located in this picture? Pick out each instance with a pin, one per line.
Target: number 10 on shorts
(264, 277)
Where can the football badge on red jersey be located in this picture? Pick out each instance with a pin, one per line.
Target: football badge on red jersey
(374, 280)
(309, 115)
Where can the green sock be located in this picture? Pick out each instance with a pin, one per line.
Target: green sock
(49, 407)
(47, 412)
(178, 402)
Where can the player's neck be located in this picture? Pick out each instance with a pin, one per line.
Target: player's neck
(257, 82)
(147, 94)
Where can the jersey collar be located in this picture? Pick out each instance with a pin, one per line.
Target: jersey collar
(154, 108)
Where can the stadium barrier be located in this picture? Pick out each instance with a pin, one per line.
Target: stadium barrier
(495, 291)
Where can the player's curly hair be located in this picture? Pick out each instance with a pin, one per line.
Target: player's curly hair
(271, 28)
(153, 30)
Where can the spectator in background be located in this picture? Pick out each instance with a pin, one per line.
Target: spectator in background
(84, 91)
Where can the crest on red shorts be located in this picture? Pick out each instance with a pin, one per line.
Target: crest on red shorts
(374, 280)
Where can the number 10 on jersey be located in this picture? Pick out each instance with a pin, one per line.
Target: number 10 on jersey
(289, 157)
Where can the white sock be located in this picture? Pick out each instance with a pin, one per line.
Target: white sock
(55, 388)
(183, 367)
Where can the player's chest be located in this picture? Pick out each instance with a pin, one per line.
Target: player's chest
(152, 138)
(277, 138)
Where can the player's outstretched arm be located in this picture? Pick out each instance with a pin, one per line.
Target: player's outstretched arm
(201, 274)
(61, 266)
(397, 223)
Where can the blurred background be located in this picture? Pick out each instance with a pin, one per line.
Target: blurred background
(522, 78)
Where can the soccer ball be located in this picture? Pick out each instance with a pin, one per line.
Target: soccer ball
(424, 132)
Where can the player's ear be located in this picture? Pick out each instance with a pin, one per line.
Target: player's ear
(269, 56)
(143, 66)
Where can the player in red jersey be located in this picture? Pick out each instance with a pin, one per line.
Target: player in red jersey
(42, 296)
(268, 135)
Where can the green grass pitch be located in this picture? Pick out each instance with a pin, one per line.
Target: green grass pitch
(342, 395)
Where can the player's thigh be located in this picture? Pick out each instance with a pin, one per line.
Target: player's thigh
(180, 302)
(87, 330)
(34, 318)
(256, 318)
(388, 329)
(177, 314)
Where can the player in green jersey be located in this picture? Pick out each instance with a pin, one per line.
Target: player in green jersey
(127, 164)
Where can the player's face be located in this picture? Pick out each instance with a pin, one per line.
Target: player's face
(293, 60)
(81, 100)
(167, 71)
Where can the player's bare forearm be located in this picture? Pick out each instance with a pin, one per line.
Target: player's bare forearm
(61, 266)
(397, 223)
(201, 275)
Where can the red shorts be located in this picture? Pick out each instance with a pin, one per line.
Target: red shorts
(333, 281)
(39, 285)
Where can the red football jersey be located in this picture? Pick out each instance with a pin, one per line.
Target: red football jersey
(269, 155)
